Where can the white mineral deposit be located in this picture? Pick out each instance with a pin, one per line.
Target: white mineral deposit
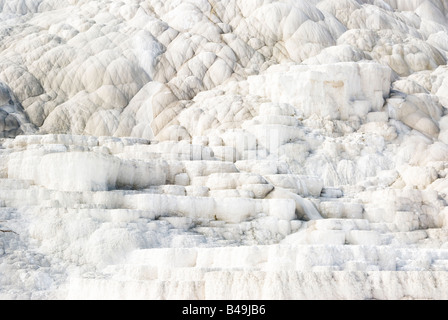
(223, 149)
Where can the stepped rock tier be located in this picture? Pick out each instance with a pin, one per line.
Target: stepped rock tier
(223, 149)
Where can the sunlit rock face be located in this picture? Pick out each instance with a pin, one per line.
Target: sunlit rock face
(207, 149)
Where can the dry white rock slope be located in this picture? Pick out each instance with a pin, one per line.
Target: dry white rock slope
(206, 149)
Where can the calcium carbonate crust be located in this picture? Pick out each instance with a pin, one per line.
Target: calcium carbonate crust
(232, 149)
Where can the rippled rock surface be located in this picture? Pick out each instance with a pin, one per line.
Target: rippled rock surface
(234, 149)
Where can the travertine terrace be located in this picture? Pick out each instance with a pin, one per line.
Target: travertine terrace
(223, 149)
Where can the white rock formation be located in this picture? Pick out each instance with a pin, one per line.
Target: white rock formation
(223, 149)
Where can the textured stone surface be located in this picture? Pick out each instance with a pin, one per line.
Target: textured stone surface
(231, 149)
